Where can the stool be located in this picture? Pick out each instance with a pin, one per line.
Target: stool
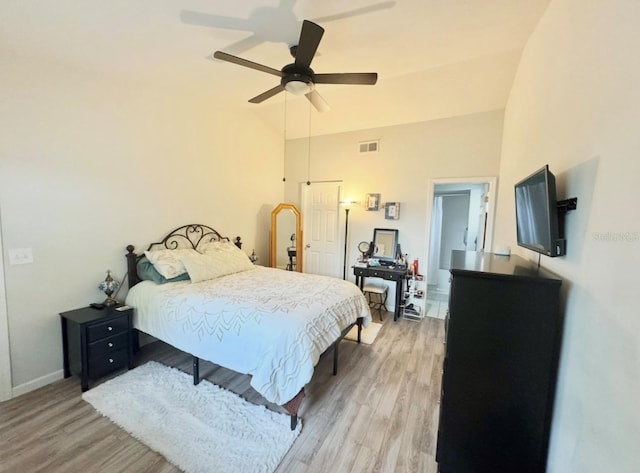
(376, 294)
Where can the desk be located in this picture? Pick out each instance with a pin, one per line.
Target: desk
(383, 272)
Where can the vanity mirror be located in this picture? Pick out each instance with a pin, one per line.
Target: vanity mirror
(385, 241)
(286, 238)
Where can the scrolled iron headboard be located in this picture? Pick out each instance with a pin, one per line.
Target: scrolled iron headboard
(188, 236)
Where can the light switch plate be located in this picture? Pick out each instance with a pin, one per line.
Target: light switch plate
(20, 256)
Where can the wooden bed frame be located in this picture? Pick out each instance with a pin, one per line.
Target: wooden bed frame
(191, 236)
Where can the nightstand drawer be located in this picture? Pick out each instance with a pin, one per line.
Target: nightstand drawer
(108, 345)
(107, 363)
(107, 329)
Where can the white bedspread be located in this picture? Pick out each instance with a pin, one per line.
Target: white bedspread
(269, 323)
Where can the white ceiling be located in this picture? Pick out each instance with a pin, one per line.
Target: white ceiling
(434, 58)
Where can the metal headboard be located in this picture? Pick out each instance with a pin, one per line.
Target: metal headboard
(188, 236)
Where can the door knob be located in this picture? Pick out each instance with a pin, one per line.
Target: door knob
(308, 245)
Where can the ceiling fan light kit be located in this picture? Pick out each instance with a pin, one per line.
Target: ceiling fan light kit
(297, 84)
(298, 78)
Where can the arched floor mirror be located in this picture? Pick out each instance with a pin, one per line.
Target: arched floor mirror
(286, 238)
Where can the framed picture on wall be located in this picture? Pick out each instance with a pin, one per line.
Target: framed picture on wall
(373, 201)
(392, 210)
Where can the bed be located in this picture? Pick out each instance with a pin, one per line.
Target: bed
(271, 324)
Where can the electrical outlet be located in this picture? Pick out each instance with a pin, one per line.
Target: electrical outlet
(20, 256)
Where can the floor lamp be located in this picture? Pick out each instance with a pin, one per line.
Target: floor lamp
(346, 204)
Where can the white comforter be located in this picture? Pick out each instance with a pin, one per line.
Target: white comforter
(269, 323)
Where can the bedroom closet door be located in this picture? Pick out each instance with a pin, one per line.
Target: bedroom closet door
(320, 236)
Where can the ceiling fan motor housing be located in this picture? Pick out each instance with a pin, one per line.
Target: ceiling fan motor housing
(296, 79)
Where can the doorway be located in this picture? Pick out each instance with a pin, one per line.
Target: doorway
(461, 218)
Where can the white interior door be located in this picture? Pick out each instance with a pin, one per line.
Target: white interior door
(320, 236)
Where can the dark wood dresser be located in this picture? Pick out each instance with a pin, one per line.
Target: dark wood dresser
(503, 336)
(96, 342)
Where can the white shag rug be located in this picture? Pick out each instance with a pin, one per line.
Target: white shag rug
(199, 429)
(368, 334)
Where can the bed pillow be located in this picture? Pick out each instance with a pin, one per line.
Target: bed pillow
(218, 260)
(147, 272)
(167, 263)
(229, 255)
(216, 245)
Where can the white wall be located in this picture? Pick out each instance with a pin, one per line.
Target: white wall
(575, 105)
(410, 155)
(5, 353)
(90, 164)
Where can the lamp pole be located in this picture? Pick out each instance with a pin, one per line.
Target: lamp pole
(346, 232)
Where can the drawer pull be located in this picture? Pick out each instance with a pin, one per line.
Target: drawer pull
(110, 344)
(109, 328)
(110, 360)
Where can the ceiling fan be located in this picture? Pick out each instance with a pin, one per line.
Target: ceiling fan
(298, 77)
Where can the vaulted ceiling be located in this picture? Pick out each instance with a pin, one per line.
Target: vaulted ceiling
(434, 58)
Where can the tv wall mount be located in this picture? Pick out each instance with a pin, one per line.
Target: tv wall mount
(565, 205)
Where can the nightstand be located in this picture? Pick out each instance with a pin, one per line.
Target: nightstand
(96, 342)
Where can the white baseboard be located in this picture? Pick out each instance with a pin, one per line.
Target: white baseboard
(37, 383)
(58, 375)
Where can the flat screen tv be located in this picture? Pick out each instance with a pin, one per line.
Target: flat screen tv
(537, 223)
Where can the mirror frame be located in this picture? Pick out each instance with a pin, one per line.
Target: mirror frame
(393, 231)
(274, 234)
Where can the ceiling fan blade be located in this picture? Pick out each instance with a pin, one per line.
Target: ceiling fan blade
(355, 78)
(268, 94)
(310, 37)
(317, 101)
(243, 62)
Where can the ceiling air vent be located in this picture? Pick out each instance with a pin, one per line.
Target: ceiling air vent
(369, 146)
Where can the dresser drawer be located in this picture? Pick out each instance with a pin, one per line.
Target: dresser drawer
(106, 329)
(108, 345)
(107, 363)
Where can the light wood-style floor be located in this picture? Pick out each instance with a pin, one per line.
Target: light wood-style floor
(379, 414)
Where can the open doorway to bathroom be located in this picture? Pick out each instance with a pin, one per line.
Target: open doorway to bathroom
(461, 213)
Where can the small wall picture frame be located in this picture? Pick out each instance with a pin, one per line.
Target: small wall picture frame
(373, 202)
(392, 210)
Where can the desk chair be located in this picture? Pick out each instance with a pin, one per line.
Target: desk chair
(376, 295)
